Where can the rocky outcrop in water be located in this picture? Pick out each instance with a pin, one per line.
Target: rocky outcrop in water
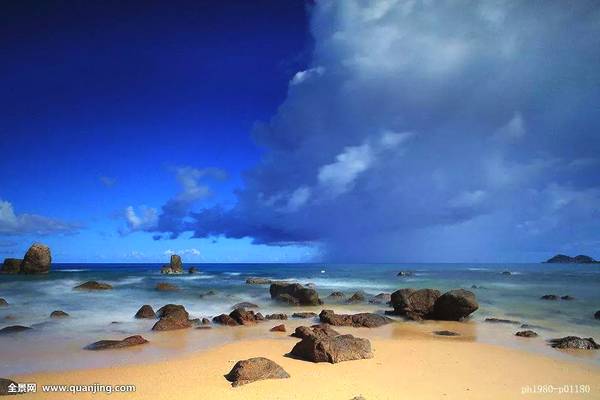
(357, 297)
(258, 281)
(117, 344)
(574, 342)
(564, 259)
(3, 303)
(13, 329)
(254, 369)
(417, 305)
(175, 266)
(527, 334)
(145, 311)
(37, 260)
(405, 273)
(93, 285)
(294, 294)
(58, 314)
(166, 287)
(11, 266)
(332, 349)
(367, 320)
(597, 314)
(192, 270)
(172, 317)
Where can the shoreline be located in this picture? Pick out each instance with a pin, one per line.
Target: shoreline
(413, 368)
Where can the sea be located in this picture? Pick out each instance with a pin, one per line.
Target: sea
(94, 315)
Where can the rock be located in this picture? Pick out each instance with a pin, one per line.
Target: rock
(527, 333)
(209, 293)
(597, 314)
(381, 298)
(14, 329)
(259, 317)
(304, 315)
(549, 297)
(205, 321)
(172, 316)
(501, 321)
(414, 304)
(358, 398)
(192, 270)
(506, 273)
(332, 349)
(58, 314)
(225, 319)
(276, 316)
(254, 369)
(574, 342)
(405, 273)
(356, 298)
(563, 259)
(11, 266)
(4, 387)
(278, 328)
(166, 287)
(368, 320)
(243, 317)
(174, 267)
(446, 333)
(37, 260)
(455, 305)
(294, 293)
(244, 304)
(93, 285)
(3, 303)
(322, 330)
(145, 311)
(337, 295)
(567, 297)
(258, 281)
(117, 344)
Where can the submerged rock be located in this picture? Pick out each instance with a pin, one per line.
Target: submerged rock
(254, 369)
(405, 273)
(414, 304)
(294, 293)
(502, 321)
(166, 287)
(58, 314)
(37, 260)
(145, 311)
(11, 266)
(306, 314)
(446, 333)
(192, 270)
(506, 273)
(258, 281)
(278, 328)
(172, 316)
(175, 266)
(117, 344)
(332, 349)
(527, 333)
(93, 285)
(368, 320)
(567, 297)
(209, 293)
(14, 329)
(549, 297)
(574, 342)
(381, 298)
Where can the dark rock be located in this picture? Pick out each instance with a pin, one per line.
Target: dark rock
(278, 328)
(381, 298)
(405, 273)
(14, 329)
(166, 287)
(549, 297)
(225, 319)
(597, 314)
(258, 281)
(174, 267)
(254, 369)
(172, 316)
(3, 303)
(455, 305)
(192, 270)
(368, 320)
(501, 321)
(357, 297)
(322, 330)
(574, 342)
(276, 316)
(11, 266)
(145, 311)
(93, 285)
(446, 333)
(337, 295)
(204, 327)
(58, 314)
(527, 333)
(332, 349)
(4, 387)
(244, 304)
(37, 260)
(259, 317)
(304, 315)
(414, 304)
(506, 273)
(288, 299)
(117, 344)
(209, 293)
(563, 259)
(205, 321)
(300, 294)
(567, 297)
(243, 317)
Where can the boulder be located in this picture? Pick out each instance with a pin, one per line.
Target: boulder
(305, 314)
(224, 319)
(117, 344)
(501, 321)
(368, 320)
(166, 287)
(258, 281)
(145, 311)
(14, 329)
(4, 387)
(37, 260)
(414, 304)
(323, 330)
(3, 303)
(276, 316)
(567, 297)
(597, 314)
(93, 285)
(244, 304)
(526, 333)
(549, 297)
(278, 328)
(174, 267)
(11, 266)
(172, 316)
(294, 293)
(506, 273)
(574, 342)
(243, 317)
(337, 295)
(254, 369)
(58, 314)
(381, 298)
(259, 317)
(405, 273)
(332, 349)
(205, 321)
(445, 333)
(455, 305)
(192, 270)
(357, 297)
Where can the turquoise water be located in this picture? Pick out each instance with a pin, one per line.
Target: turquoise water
(514, 296)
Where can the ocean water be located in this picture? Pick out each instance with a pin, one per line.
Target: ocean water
(54, 344)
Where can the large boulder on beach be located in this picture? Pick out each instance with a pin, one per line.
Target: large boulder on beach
(323, 330)
(7, 386)
(93, 285)
(225, 319)
(172, 316)
(255, 369)
(130, 341)
(175, 266)
(145, 311)
(332, 349)
(414, 304)
(294, 293)
(367, 320)
(243, 317)
(37, 260)
(574, 342)
(11, 266)
(455, 305)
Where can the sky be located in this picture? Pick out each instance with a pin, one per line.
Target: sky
(300, 131)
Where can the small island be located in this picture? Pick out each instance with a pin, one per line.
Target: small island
(564, 259)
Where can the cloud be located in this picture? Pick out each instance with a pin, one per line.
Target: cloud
(107, 181)
(500, 98)
(183, 252)
(146, 218)
(31, 224)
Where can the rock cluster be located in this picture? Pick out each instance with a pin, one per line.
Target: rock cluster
(421, 304)
(294, 294)
(37, 260)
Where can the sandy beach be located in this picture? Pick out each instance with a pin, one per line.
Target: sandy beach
(413, 367)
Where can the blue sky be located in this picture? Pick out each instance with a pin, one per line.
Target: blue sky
(296, 131)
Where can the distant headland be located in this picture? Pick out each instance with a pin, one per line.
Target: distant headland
(563, 259)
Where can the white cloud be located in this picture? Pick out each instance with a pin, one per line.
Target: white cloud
(183, 252)
(338, 176)
(302, 76)
(144, 220)
(22, 224)
(514, 128)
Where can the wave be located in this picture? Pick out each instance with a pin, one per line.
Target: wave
(232, 273)
(72, 270)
